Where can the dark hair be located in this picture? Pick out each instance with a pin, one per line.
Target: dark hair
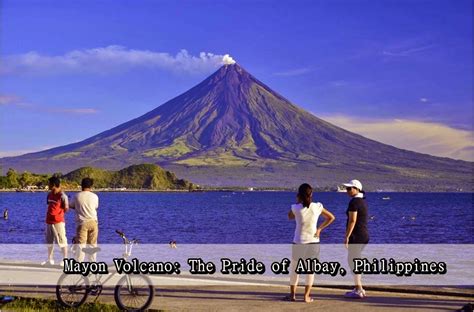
(87, 183)
(54, 181)
(305, 192)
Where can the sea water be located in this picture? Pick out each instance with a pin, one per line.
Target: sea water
(246, 217)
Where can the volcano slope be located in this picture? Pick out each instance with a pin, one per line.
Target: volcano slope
(233, 130)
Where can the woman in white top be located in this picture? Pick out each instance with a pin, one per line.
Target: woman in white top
(306, 239)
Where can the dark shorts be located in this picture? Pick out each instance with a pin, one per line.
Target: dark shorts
(354, 252)
(304, 251)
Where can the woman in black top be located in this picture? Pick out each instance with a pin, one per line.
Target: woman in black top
(357, 234)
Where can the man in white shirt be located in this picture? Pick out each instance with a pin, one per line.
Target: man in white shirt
(85, 204)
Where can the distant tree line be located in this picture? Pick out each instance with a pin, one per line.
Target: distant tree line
(14, 179)
(143, 176)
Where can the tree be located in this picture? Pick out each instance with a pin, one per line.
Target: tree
(3, 182)
(26, 178)
(12, 178)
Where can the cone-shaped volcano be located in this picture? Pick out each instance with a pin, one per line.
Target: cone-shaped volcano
(231, 129)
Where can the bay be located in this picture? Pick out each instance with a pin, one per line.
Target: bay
(247, 217)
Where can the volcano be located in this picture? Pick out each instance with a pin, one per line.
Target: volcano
(231, 129)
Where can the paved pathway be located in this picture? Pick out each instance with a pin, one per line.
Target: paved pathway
(268, 298)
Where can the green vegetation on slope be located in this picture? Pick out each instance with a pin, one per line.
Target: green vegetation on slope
(102, 178)
(144, 176)
(177, 149)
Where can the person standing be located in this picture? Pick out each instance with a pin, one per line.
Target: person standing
(86, 203)
(357, 234)
(306, 237)
(57, 202)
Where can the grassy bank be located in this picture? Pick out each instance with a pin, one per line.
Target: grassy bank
(34, 304)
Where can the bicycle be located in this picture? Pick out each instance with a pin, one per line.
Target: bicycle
(132, 292)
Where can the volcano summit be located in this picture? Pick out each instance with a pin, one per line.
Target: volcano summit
(233, 130)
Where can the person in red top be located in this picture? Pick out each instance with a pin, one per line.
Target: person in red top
(58, 204)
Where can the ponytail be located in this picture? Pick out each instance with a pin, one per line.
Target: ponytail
(305, 192)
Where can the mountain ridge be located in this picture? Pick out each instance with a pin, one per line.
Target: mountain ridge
(232, 120)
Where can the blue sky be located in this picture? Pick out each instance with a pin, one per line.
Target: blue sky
(396, 71)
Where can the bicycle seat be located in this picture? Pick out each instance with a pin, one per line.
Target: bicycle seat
(90, 250)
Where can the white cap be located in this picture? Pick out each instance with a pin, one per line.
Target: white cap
(354, 183)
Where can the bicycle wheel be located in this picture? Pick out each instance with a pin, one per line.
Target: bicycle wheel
(71, 290)
(134, 292)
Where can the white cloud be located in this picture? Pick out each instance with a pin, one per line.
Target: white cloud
(424, 137)
(22, 152)
(16, 101)
(227, 60)
(294, 72)
(6, 99)
(424, 100)
(109, 59)
(408, 47)
(79, 111)
(338, 83)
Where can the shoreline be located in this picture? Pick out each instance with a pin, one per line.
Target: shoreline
(243, 190)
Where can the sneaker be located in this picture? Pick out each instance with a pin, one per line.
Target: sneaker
(355, 294)
(48, 262)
